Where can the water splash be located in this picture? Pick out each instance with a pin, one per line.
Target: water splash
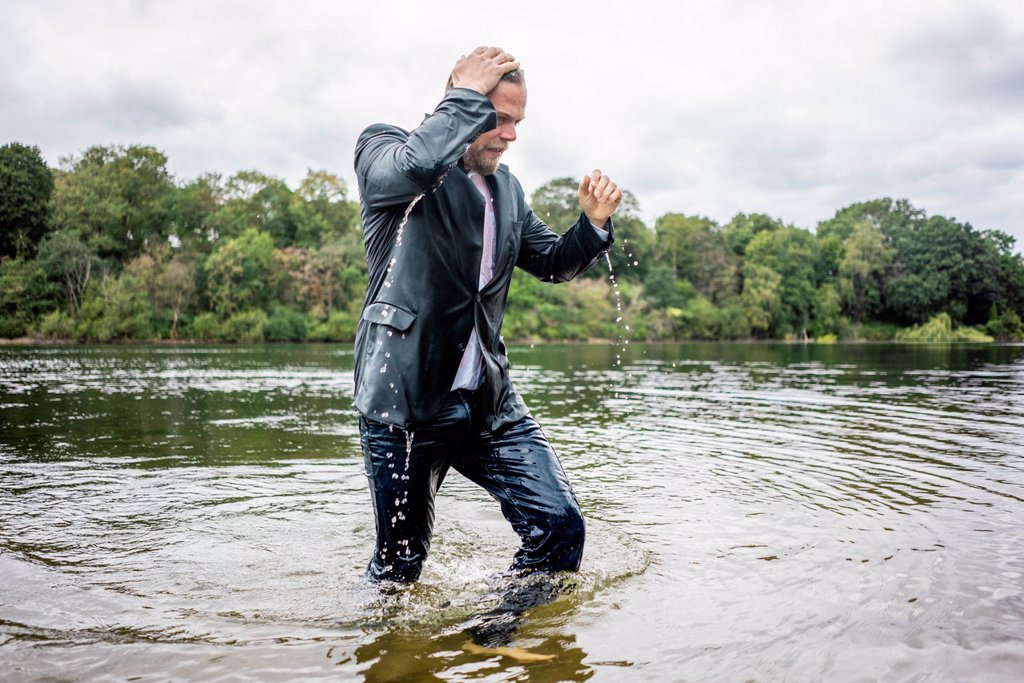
(389, 278)
(400, 232)
(621, 340)
(405, 219)
(404, 500)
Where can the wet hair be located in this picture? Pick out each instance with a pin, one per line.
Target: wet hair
(516, 77)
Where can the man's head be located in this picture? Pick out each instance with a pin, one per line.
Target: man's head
(509, 100)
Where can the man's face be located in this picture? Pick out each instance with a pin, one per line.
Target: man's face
(509, 100)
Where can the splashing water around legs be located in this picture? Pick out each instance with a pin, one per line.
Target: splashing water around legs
(404, 500)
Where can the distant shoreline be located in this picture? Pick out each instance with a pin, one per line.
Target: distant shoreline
(33, 341)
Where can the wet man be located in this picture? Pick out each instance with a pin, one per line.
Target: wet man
(444, 225)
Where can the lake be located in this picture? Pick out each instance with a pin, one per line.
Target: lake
(755, 513)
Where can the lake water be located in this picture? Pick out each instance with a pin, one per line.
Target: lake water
(755, 513)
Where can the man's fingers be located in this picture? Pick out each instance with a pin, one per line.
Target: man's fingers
(600, 187)
(482, 68)
(603, 186)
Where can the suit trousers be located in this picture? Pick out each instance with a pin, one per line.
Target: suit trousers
(517, 467)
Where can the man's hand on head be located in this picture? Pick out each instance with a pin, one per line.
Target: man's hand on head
(482, 68)
(599, 197)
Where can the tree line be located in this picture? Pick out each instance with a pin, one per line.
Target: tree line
(109, 246)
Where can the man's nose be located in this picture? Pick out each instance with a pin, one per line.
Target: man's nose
(508, 132)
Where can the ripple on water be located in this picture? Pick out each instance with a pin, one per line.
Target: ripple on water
(757, 516)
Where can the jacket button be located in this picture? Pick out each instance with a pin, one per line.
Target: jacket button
(479, 298)
(462, 347)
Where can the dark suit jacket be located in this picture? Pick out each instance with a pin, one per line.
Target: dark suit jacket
(423, 233)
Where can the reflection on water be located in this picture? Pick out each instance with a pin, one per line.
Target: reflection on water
(754, 512)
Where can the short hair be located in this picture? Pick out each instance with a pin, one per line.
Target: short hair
(516, 77)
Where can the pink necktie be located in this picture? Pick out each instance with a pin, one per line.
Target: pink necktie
(487, 256)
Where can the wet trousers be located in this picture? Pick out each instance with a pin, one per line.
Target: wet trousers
(517, 467)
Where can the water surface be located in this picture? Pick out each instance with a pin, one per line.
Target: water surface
(755, 512)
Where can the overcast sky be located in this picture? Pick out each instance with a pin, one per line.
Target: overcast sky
(789, 108)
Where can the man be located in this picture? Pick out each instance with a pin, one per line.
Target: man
(444, 224)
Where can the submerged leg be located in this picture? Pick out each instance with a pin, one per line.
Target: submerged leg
(496, 628)
(520, 469)
(405, 471)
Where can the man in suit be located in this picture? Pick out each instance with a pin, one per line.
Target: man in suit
(444, 225)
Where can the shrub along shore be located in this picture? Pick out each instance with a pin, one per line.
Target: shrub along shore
(109, 247)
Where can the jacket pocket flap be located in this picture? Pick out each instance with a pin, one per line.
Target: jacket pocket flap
(390, 315)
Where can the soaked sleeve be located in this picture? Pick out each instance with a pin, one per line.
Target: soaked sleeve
(393, 166)
(558, 258)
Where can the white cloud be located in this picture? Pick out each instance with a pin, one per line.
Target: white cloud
(790, 108)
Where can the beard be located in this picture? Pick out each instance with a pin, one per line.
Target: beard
(475, 158)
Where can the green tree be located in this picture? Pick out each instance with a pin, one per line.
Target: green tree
(715, 270)
(249, 325)
(863, 269)
(320, 281)
(744, 227)
(940, 328)
(168, 276)
(676, 237)
(237, 272)
(932, 270)
(663, 290)
(25, 294)
(285, 324)
(995, 274)
(26, 184)
(254, 200)
(321, 210)
(116, 308)
(119, 199)
(762, 299)
(66, 257)
(827, 309)
(792, 254)
(1008, 269)
(195, 204)
(887, 215)
(1005, 327)
(699, 319)
(556, 204)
